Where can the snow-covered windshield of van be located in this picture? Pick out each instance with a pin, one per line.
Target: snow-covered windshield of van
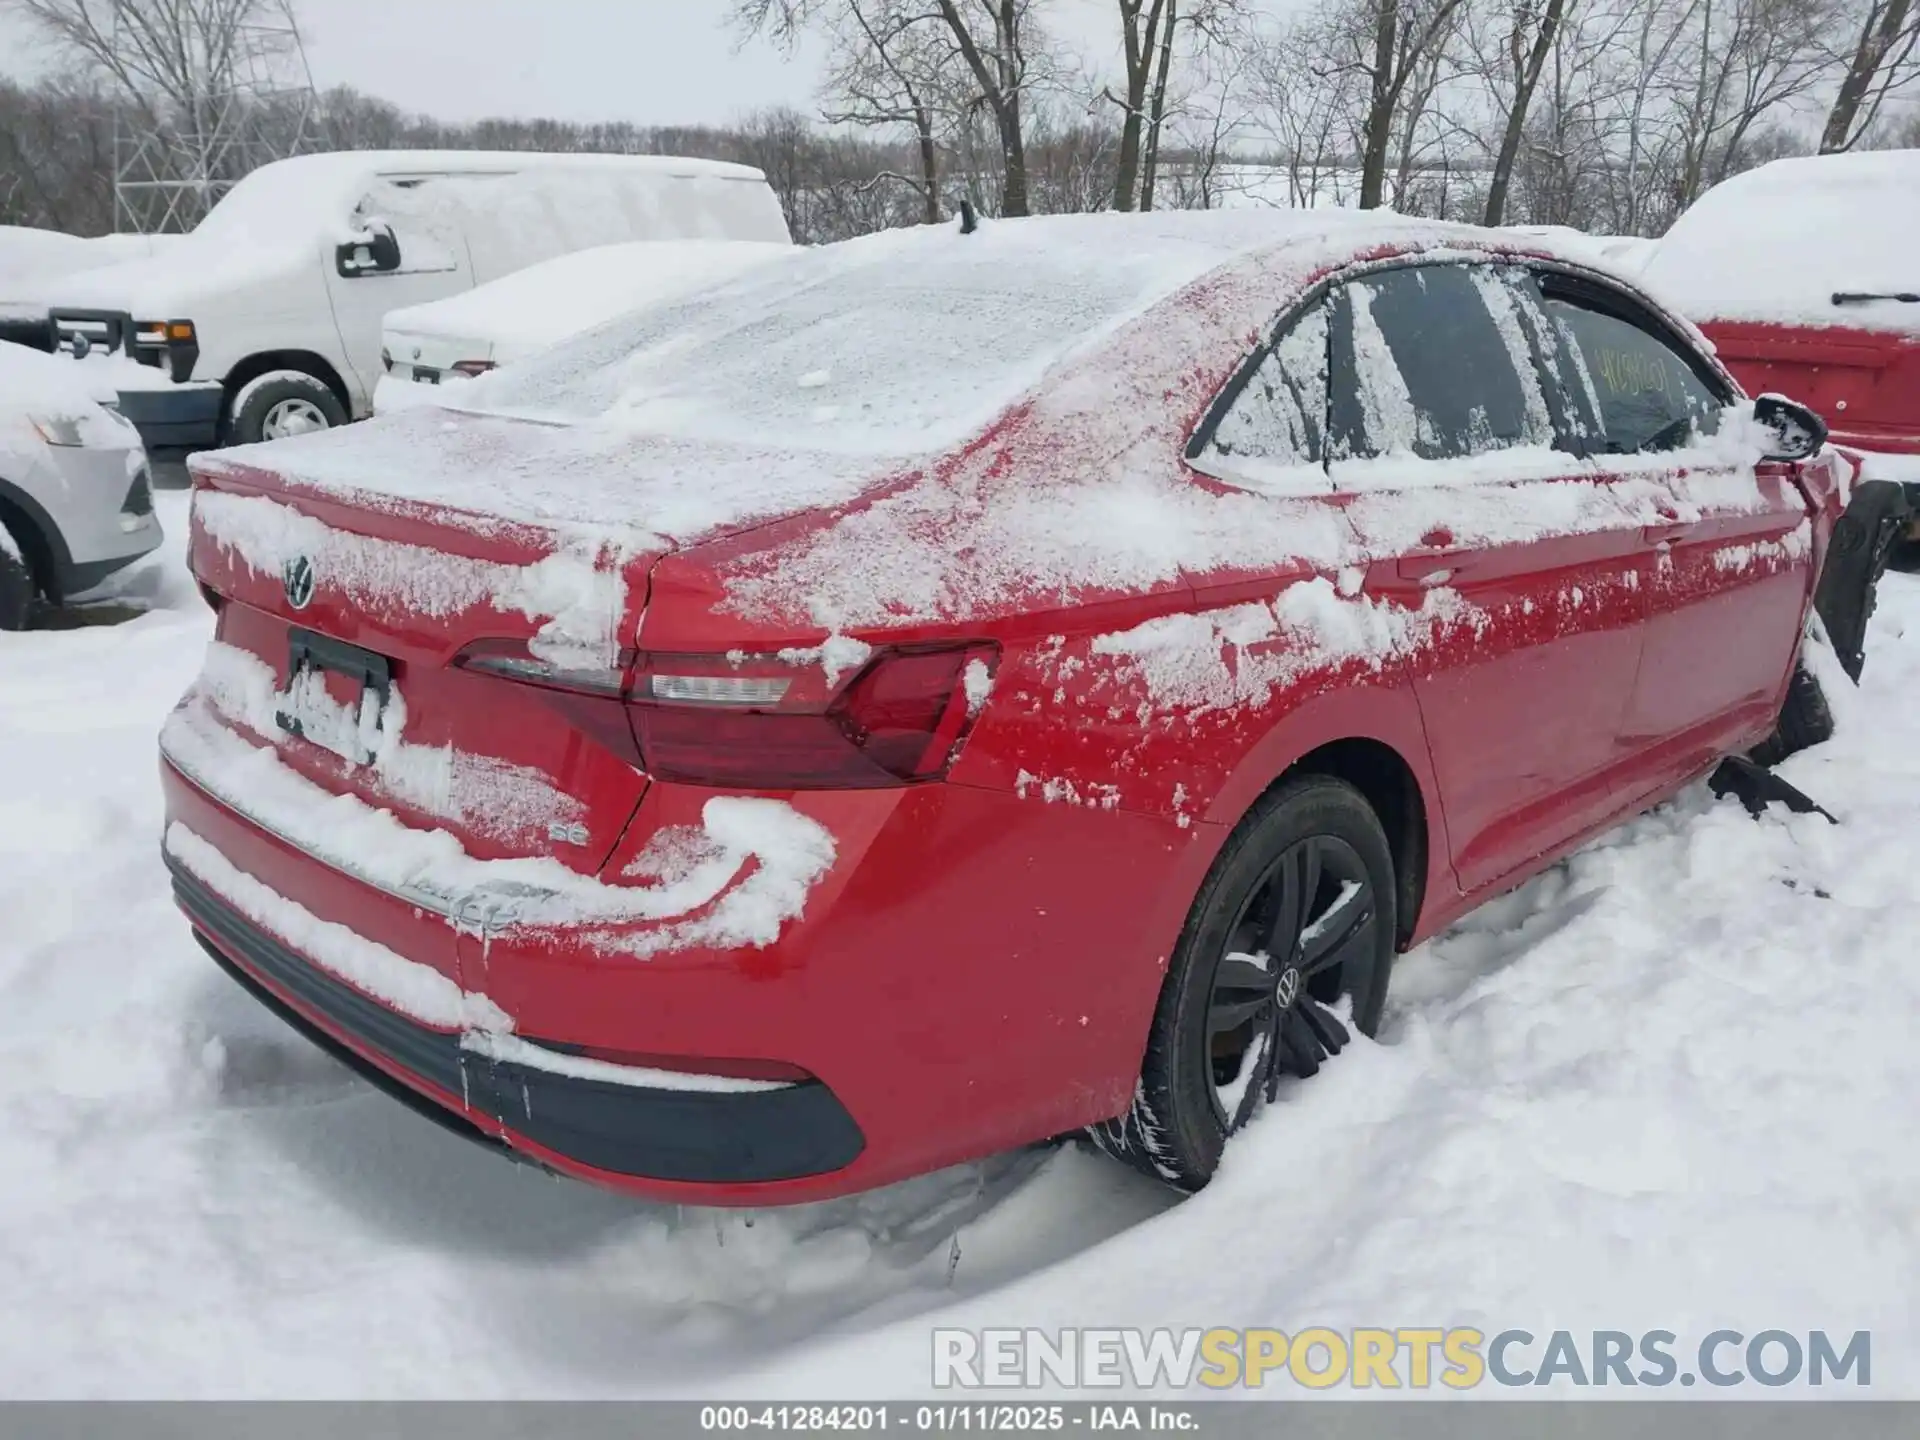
(898, 343)
(276, 206)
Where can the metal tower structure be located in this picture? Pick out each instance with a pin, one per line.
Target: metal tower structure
(232, 99)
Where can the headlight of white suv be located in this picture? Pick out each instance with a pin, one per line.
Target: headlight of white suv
(106, 428)
(62, 430)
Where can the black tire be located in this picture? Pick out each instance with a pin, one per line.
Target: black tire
(16, 588)
(1805, 720)
(266, 406)
(1179, 1121)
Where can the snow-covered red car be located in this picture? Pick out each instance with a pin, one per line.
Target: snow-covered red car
(955, 689)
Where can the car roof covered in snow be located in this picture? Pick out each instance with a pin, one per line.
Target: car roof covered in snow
(348, 167)
(289, 196)
(1777, 242)
(800, 385)
(911, 340)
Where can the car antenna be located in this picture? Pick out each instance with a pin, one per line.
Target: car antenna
(969, 222)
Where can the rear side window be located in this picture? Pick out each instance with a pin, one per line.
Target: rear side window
(1421, 365)
(1642, 394)
(1272, 435)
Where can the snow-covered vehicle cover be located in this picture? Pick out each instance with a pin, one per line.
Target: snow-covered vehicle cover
(1777, 243)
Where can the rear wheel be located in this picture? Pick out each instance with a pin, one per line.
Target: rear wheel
(1297, 911)
(282, 405)
(16, 585)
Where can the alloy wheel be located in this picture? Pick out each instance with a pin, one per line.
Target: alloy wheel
(292, 417)
(1310, 916)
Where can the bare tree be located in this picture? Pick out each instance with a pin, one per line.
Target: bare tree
(1146, 36)
(195, 81)
(1568, 168)
(1750, 57)
(1882, 61)
(995, 40)
(1523, 35)
(1199, 153)
(1395, 49)
(159, 53)
(1305, 99)
(1219, 35)
(56, 157)
(882, 70)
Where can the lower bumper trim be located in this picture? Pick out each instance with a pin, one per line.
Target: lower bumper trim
(683, 1136)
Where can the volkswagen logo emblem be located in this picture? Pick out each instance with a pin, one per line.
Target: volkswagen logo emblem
(1288, 990)
(298, 578)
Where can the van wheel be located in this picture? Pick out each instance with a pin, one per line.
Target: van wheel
(16, 585)
(1805, 720)
(1297, 911)
(281, 405)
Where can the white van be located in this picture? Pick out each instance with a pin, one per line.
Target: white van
(447, 341)
(265, 321)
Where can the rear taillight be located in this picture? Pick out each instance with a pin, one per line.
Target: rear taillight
(767, 722)
(471, 368)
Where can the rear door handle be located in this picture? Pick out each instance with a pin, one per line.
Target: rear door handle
(1435, 567)
(1437, 560)
(1664, 534)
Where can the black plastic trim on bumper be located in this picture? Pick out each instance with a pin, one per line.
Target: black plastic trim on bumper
(689, 1136)
(33, 331)
(183, 418)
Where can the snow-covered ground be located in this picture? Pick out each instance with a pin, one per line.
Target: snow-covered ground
(1669, 1084)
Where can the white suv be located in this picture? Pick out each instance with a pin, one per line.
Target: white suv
(76, 499)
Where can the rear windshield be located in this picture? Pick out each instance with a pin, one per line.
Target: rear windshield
(897, 344)
(1779, 243)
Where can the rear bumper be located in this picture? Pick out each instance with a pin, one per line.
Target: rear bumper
(570, 1124)
(961, 981)
(175, 417)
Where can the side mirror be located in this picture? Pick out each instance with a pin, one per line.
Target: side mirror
(379, 254)
(1798, 433)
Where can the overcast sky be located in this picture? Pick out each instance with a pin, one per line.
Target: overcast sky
(653, 62)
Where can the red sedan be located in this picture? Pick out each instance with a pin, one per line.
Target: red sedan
(945, 691)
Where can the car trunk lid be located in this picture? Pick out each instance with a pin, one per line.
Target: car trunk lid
(344, 635)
